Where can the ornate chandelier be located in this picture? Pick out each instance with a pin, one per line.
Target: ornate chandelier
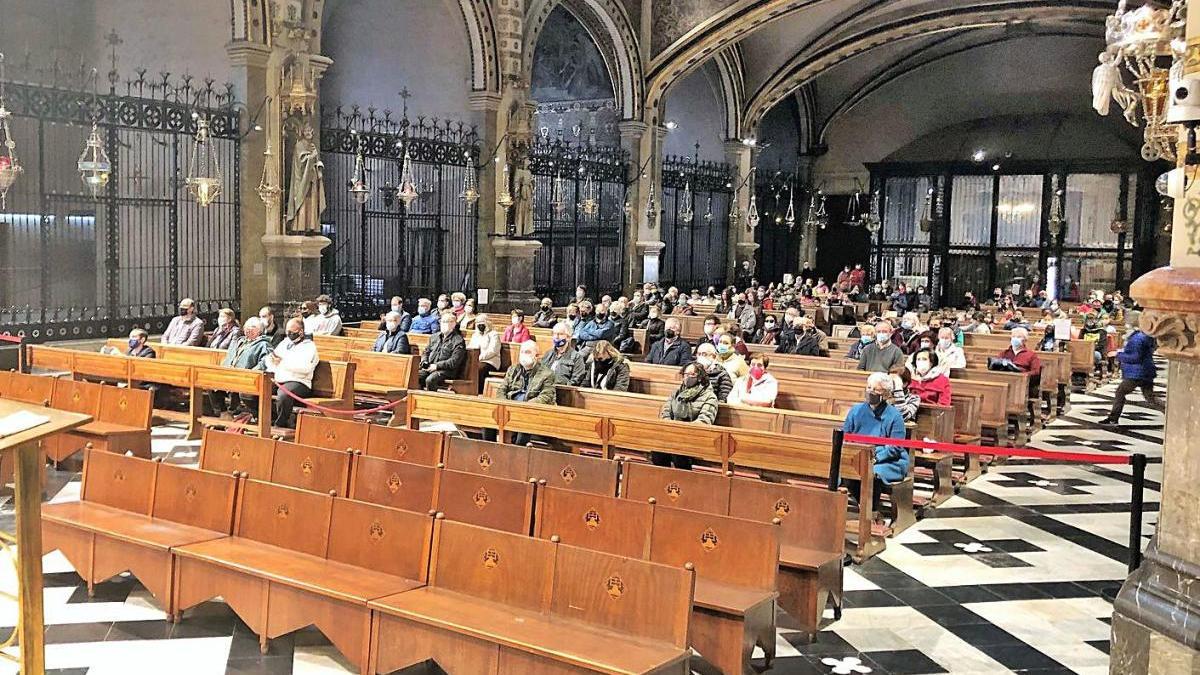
(10, 168)
(686, 212)
(818, 217)
(790, 218)
(470, 191)
(589, 205)
(871, 219)
(1148, 42)
(94, 167)
(407, 192)
(651, 211)
(359, 189)
(204, 174)
(269, 190)
(926, 222)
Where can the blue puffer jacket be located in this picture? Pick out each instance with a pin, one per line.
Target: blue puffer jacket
(425, 324)
(1137, 358)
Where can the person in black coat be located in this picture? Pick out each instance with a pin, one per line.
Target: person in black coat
(446, 355)
(654, 325)
(392, 339)
(672, 350)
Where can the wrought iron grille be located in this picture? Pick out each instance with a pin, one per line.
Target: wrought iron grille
(578, 247)
(73, 265)
(779, 239)
(382, 248)
(697, 247)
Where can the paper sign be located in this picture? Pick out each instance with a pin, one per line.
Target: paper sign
(481, 296)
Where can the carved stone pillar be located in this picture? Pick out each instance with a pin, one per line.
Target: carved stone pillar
(514, 271)
(251, 77)
(491, 216)
(808, 235)
(741, 238)
(644, 239)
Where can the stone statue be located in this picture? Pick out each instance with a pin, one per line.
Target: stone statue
(1107, 86)
(306, 190)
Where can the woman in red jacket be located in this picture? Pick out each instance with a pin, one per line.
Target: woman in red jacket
(928, 381)
(516, 331)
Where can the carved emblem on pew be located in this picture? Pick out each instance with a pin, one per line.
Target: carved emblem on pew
(75, 396)
(491, 558)
(281, 511)
(782, 508)
(306, 467)
(401, 449)
(375, 532)
(481, 498)
(118, 475)
(591, 519)
(708, 540)
(568, 474)
(394, 483)
(673, 491)
(485, 461)
(330, 435)
(189, 492)
(123, 403)
(615, 586)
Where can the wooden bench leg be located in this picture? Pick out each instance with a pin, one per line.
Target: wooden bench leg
(400, 644)
(728, 642)
(803, 597)
(943, 480)
(902, 506)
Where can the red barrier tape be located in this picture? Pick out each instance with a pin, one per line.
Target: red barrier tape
(337, 411)
(15, 339)
(1091, 457)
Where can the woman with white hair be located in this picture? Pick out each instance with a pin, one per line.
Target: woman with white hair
(486, 339)
(227, 330)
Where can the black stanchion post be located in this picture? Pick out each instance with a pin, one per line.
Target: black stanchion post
(835, 460)
(1138, 461)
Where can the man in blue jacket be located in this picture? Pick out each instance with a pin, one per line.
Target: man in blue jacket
(1137, 371)
(426, 320)
(876, 417)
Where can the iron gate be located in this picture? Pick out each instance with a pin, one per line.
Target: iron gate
(695, 222)
(382, 248)
(74, 265)
(578, 246)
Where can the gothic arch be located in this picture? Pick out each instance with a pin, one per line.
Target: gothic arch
(733, 88)
(611, 30)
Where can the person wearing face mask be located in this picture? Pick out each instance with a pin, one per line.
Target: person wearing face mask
(580, 294)
(566, 363)
(573, 317)
(598, 327)
(272, 330)
(882, 355)
(185, 329)
(544, 318)
(906, 337)
(1137, 370)
(392, 340)
(929, 381)
(653, 324)
(786, 339)
(876, 417)
(671, 350)
(528, 380)
(949, 354)
(445, 356)
(325, 320)
(227, 330)
(249, 350)
(606, 368)
(639, 309)
(710, 328)
(970, 303)
(1024, 359)
(516, 330)
(757, 387)
(1017, 320)
(458, 303)
(443, 303)
(718, 377)
(843, 279)
(768, 334)
(693, 402)
(426, 320)
(397, 306)
(486, 339)
(622, 333)
(730, 360)
(292, 363)
(137, 345)
(866, 336)
(809, 340)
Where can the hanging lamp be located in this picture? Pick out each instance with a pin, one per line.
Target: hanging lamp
(10, 168)
(204, 173)
(359, 189)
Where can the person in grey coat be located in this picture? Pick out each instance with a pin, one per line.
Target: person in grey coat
(607, 368)
(694, 401)
(446, 355)
(882, 355)
(568, 366)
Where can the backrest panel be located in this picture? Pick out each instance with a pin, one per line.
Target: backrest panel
(128, 406)
(120, 481)
(226, 452)
(399, 485)
(379, 538)
(310, 467)
(497, 503)
(331, 433)
(809, 517)
(284, 516)
(728, 550)
(35, 389)
(406, 445)
(492, 565)
(195, 497)
(695, 490)
(574, 472)
(599, 523)
(76, 396)
(501, 460)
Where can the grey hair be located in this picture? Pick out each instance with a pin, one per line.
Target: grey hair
(562, 326)
(879, 378)
(392, 315)
(253, 323)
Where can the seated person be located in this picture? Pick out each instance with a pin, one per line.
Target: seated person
(757, 387)
(866, 335)
(392, 339)
(292, 363)
(653, 324)
(266, 316)
(730, 360)
(1016, 321)
(876, 417)
(949, 354)
(528, 380)
(672, 350)
(326, 320)
(1024, 359)
(568, 365)
(397, 307)
(1094, 333)
(607, 368)
(187, 328)
(718, 377)
(466, 320)
(138, 346)
(544, 318)
(882, 355)
(768, 334)
(929, 382)
(516, 331)
(458, 304)
(426, 320)
(486, 339)
(599, 327)
(809, 340)
(249, 350)
(226, 331)
(445, 356)
(692, 402)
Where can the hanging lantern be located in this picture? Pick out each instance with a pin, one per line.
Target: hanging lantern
(94, 167)
(407, 192)
(204, 174)
(820, 216)
(651, 211)
(926, 222)
(269, 190)
(359, 189)
(558, 193)
(1118, 225)
(589, 205)
(790, 218)
(1055, 222)
(752, 217)
(505, 200)
(852, 208)
(686, 213)
(735, 213)
(871, 219)
(10, 168)
(470, 191)
(708, 213)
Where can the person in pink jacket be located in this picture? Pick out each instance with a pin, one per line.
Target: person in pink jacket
(516, 330)
(757, 387)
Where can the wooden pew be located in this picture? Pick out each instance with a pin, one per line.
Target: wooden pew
(275, 461)
(121, 419)
(132, 513)
(557, 469)
(35, 389)
(376, 440)
(504, 603)
(298, 558)
(377, 376)
(333, 385)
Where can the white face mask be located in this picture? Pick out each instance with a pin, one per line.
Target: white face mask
(322, 309)
(392, 326)
(447, 328)
(527, 360)
(396, 308)
(516, 320)
(706, 361)
(222, 320)
(923, 367)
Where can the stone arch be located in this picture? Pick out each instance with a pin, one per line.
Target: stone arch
(733, 88)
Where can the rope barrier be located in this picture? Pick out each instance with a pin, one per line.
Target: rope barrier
(337, 411)
(967, 449)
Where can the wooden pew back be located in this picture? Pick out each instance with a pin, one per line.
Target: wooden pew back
(598, 522)
(810, 517)
(380, 538)
(283, 516)
(35, 389)
(696, 490)
(126, 406)
(119, 481)
(377, 440)
(195, 497)
(498, 503)
(412, 487)
(493, 565)
(727, 550)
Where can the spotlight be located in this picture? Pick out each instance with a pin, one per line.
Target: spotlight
(671, 125)
(979, 155)
(995, 167)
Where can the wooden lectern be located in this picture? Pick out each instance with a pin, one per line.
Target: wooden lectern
(31, 626)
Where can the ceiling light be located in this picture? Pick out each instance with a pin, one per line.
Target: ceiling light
(979, 155)
(671, 125)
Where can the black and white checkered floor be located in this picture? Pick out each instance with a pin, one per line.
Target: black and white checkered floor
(1014, 574)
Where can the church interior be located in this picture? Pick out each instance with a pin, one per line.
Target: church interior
(599, 336)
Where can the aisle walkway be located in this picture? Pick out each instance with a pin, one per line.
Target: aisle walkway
(1016, 573)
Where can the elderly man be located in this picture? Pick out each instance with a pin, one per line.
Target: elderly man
(544, 318)
(445, 356)
(671, 350)
(810, 341)
(249, 350)
(528, 380)
(426, 320)
(1026, 360)
(882, 355)
(600, 327)
(568, 366)
(876, 417)
(292, 363)
(392, 339)
(185, 329)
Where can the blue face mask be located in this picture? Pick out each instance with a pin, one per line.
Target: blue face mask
(906, 325)
(1016, 343)
(723, 349)
(423, 311)
(883, 338)
(559, 342)
(866, 339)
(134, 342)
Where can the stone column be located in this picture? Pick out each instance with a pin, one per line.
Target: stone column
(514, 272)
(491, 216)
(808, 235)
(741, 244)
(644, 239)
(1156, 622)
(250, 68)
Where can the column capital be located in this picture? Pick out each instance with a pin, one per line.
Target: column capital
(485, 101)
(1171, 298)
(632, 129)
(251, 54)
(294, 245)
(734, 145)
(650, 247)
(515, 248)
